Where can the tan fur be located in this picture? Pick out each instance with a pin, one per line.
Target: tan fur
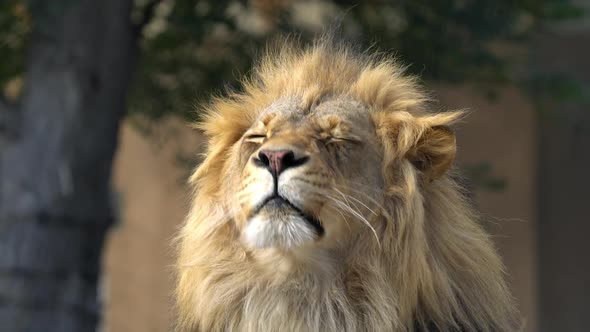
(424, 264)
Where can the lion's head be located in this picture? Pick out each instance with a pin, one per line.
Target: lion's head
(325, 203)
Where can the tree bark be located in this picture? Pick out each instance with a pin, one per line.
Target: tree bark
(55, 202)
(8, 120)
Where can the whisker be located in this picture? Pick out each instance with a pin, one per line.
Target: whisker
(374, 201)
(356, 199)
(343, 217)
(358, 215)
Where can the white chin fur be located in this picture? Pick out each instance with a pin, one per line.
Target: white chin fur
(288, 232)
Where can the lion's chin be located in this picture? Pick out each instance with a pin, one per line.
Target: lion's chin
(277, 226)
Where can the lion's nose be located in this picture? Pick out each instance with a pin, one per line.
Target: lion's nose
(279, 160)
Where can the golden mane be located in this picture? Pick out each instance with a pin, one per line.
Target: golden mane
(434, 268)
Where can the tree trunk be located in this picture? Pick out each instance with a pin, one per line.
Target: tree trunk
(55, 203)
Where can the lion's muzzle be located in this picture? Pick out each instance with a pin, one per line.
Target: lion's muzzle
(277, 222)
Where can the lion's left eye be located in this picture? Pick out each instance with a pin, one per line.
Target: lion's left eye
(255, 138)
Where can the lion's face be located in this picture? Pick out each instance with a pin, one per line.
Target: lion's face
(306, 177)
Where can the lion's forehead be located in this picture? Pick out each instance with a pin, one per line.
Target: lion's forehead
(293, 111)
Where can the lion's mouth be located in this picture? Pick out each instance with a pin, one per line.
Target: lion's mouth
(278, 202)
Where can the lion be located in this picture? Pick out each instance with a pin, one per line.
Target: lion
(327, 201)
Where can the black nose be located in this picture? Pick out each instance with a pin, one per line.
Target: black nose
(279, 160)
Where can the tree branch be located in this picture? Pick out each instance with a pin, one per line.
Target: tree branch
(9, 119)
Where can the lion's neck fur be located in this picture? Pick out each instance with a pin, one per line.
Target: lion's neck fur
(433, 267)
(282, 293)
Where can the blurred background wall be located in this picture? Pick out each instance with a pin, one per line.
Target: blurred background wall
(89, 87)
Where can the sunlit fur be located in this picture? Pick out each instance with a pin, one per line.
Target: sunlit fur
(419, 261)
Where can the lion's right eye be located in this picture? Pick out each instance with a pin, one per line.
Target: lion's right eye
(255, 138)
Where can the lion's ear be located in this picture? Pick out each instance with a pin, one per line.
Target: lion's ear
(434, 152)
(426, 141)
